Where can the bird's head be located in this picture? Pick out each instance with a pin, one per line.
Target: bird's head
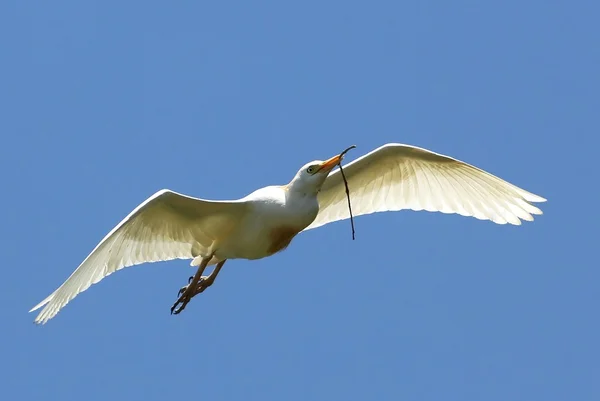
(311, 176)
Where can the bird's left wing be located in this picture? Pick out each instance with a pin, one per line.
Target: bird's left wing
(396, 176)
(166, 226)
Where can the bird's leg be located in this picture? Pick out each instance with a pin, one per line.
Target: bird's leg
(187, 294)
(207, 281)
(204, 282)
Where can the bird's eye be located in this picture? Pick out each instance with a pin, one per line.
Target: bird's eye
(310, 170)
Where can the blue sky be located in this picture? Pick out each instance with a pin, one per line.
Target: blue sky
(106, 102)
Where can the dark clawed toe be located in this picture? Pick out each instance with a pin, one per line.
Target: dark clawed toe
(173, 307)
(190, 279)
(182, 299)
(175, 310)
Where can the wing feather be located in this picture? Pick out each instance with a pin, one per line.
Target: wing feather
(397, 176)
(166, 226)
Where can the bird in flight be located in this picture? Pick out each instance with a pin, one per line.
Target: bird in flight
(169, 225)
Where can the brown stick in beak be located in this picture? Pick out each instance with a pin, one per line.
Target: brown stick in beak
(347, 190)
(329, 164)
(346, 151)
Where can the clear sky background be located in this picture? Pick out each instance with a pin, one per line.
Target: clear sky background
(105, 102)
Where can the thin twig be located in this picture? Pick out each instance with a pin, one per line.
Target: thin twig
(347, 190)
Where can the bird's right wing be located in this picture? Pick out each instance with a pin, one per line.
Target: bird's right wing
(396, 176)
(166, 226)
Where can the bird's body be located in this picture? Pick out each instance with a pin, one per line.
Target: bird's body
(169, 225)
(276, 214)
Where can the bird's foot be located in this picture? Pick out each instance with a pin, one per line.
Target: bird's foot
(183, 301)
(186, 293)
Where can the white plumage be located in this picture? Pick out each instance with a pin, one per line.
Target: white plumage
(393, 177)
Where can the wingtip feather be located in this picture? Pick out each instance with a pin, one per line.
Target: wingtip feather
(529, 197)
(42, 303)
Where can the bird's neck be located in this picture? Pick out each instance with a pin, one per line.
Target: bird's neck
(300, 189)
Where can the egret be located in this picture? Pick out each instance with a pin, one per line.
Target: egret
(169, 225)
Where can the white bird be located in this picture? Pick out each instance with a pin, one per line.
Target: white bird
(169, 225)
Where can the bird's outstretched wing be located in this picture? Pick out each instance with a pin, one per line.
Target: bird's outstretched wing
(166, 226)
(396, 176)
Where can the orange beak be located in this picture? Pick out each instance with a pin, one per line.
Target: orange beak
(329, 164)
